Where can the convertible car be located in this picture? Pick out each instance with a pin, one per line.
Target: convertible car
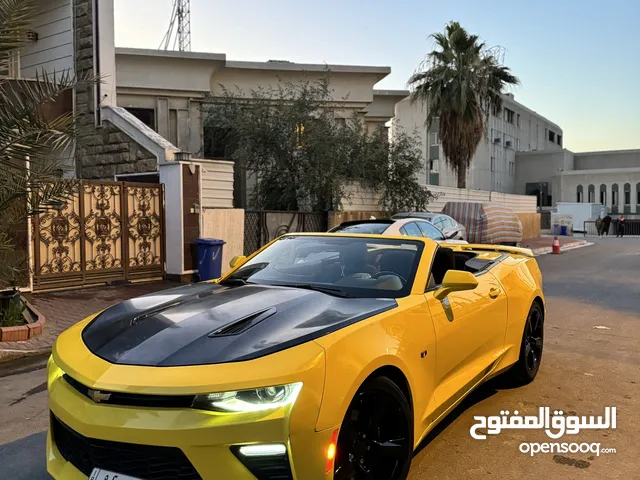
(321, 356)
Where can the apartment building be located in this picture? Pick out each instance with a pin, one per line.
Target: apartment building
(515, 128)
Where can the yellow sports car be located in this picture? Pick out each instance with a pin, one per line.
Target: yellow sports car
(320, 356)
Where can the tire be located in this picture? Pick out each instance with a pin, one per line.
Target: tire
(524, 371)
(376, 436)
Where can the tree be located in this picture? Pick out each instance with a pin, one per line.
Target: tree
(460, 83)
(32, 145)
(305, 155)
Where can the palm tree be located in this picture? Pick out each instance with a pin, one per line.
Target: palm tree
(32, 145)
(461, 85)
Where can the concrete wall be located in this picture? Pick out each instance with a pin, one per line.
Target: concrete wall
(364, 200)
(607, 159)
(348, 88)
(174, 84)
(527, 131)
(54, 49)
(535, 167)
(158, 70)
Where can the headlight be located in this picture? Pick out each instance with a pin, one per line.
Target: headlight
(253, 400)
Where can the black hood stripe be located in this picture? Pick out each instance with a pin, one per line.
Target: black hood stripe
(207, 323)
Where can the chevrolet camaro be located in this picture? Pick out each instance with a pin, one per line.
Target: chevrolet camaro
(321, 356)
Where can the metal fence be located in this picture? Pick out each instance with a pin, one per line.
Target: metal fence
(260, 227)
(631, 228)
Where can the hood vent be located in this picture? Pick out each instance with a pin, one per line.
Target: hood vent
(243, 324)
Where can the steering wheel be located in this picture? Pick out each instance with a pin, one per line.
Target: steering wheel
(388, 272)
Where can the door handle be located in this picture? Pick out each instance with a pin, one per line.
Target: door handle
(494, 292)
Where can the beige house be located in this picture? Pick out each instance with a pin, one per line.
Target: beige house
(165, 89)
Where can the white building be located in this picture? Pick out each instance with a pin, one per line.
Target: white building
(610, 178)
(515, 128)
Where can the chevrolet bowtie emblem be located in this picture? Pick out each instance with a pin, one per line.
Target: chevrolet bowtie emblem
(98, 396)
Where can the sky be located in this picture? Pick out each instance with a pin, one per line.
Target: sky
(578, 60)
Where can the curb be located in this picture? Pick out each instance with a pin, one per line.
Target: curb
(566, 246)
(21, 333)
(7, 355)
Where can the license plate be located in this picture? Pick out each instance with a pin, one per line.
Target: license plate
(99, 474)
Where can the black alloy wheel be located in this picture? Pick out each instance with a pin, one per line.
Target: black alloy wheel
(376, 436)
(526, 369)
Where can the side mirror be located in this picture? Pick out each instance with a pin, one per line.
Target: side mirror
(452, 234)
(237, 260)
(456, 281)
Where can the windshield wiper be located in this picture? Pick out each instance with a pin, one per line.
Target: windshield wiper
(320, 288)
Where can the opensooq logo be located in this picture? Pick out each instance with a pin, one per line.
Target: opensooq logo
(556, 425)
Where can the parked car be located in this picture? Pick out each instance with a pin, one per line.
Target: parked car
(285, 369)
(410, 227)
(447, 224)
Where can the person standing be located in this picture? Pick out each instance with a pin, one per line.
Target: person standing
(606, 222)
(599, 225)
(621, 224)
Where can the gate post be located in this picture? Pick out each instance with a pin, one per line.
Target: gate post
(171, 177)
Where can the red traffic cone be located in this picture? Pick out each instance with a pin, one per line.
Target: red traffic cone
(556, 246)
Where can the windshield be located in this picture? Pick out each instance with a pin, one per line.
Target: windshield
(347, 266)
(365, 228)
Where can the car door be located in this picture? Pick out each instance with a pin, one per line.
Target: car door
(470, 328)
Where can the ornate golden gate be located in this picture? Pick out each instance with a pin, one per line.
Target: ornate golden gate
(108, 232)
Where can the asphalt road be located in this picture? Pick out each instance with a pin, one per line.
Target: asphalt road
(584, 370)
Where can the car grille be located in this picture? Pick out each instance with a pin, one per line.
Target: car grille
(133, 399)
(140, 461)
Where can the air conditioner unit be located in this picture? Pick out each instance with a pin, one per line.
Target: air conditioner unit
(508, 143)
(497, 140)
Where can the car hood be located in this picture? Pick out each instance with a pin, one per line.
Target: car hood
(204, 324)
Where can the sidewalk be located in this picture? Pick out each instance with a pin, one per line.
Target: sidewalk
(65, 308)
(542, 245)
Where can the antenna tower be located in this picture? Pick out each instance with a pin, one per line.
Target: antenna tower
(179, 32)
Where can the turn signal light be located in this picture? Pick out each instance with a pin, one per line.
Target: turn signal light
(331, 451)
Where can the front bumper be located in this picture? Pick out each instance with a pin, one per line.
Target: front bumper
(206, 439)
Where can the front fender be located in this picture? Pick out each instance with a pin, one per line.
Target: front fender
(386, 340)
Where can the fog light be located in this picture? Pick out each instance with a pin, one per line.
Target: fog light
(267, 450)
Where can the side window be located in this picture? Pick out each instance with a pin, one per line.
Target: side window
(437, 221)
(448, 223)
(430, 231)
(412, 230)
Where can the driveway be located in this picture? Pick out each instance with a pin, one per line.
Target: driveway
(584, 370)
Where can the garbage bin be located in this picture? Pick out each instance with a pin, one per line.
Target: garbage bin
(556, 229)
(563, 230)
(209, 258)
